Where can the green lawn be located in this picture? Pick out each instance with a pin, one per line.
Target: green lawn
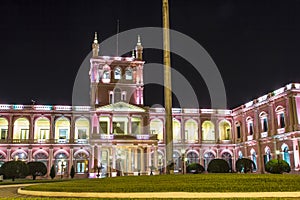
(186, 183)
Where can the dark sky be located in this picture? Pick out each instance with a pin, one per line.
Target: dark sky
(255, 44)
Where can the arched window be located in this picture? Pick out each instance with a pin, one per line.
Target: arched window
(3, 128)
(264, 121)
(208, 156)
(240, 154)
(117, 95)
(21, 156)
(117, 73)
(280, 117)
(21, 129)
(267, 156)
(238, 130)
(111, 97)
(156, 127)
(224, 130)
(191, 130)
(249, 122)
(123, 97)
(227, 156)
(128, 74)
(62, 129)
(82, 130)
(253, 158)
(208, 130)
(106, 76)
(285, 153)
(42, 129)
(41, 157)
(176, 130)
(192, 157)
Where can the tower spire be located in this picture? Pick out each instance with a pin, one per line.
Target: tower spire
(95, 46)
(139, 49)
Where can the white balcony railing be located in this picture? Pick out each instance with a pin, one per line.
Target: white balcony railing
(106, 137)
(250, 137)
(280, 130)
(264, 134)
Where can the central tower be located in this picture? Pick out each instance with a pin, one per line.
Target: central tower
(115, 79)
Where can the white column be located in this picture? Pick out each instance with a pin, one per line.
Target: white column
(129, 160)
(98, 156)
(135, 158)
(129, 125)
(92, 166)
(149, 163)
(142, 160)
(113, 157)
(155, 157)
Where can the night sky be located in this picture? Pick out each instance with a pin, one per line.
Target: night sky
(255, 44)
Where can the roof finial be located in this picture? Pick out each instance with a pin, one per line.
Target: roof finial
(139, 40)
(95, 39)
(132, 54)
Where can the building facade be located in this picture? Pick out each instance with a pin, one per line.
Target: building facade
(118, 133)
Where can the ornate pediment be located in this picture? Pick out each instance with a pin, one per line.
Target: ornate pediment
(120, 107)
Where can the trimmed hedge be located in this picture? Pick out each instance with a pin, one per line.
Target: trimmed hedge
(36, 169)
(195, 168)
(218, 166)
(276, 166)
(244, 165)
(14, 169)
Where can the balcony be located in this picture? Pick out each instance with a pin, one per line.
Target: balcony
(280, 130)
(225, 141)
(106, 137)
(264, 134)
(250, 137)
(81, 141)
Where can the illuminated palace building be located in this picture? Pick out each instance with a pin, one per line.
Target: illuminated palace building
(120, 134)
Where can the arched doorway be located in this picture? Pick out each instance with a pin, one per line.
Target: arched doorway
(177, 161)
(285, 153)
(253, 158)
(61, 164)
(81, 162)
(41, 157)
(267, 156)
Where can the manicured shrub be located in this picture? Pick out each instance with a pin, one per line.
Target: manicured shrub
(36, 169)
(218, 166)
(194, 168)
(244, 165)
(15, 169)
(276, 166)
(72, 173)
(52, 172)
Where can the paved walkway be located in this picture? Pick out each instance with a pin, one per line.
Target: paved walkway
(164, 194)
(10, 191)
